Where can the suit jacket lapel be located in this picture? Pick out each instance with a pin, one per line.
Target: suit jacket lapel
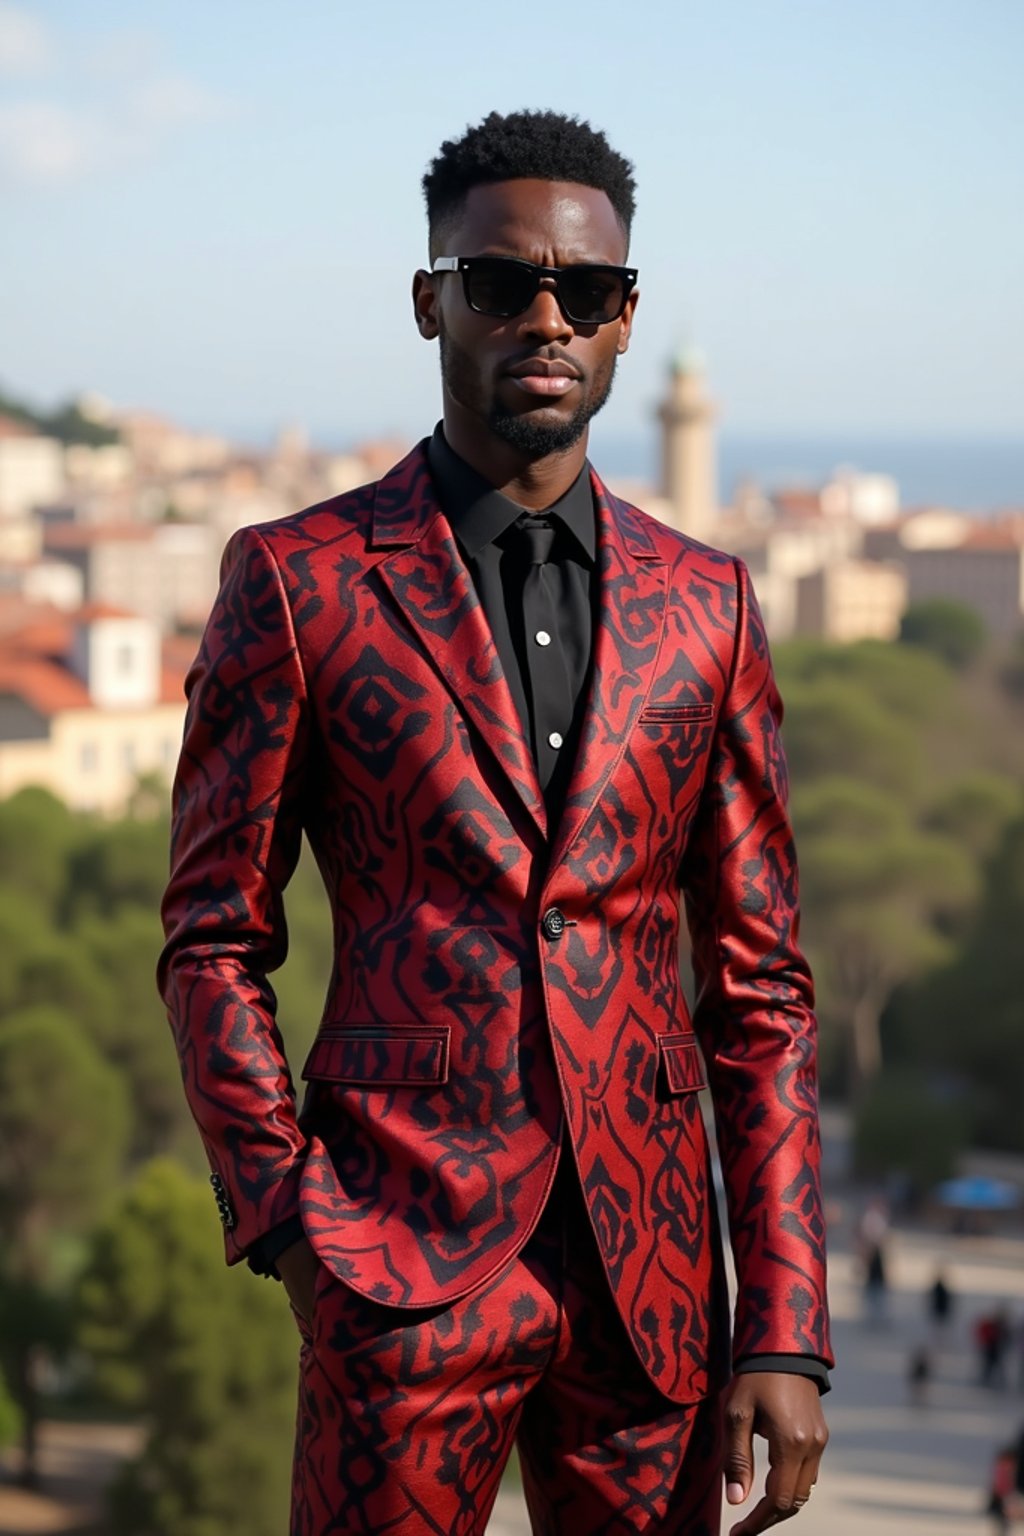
(429, 581)
(633, 597)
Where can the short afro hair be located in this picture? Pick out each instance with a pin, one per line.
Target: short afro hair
(544, 145)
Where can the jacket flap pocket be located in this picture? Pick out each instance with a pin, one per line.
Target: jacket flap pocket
(671, 711)
(683, 1067)
(379, 1055)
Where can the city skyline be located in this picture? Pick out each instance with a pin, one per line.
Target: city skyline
(217, 216)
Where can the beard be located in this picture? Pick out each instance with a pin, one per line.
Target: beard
(522, 430)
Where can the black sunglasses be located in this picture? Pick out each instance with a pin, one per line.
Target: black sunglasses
(504, 286)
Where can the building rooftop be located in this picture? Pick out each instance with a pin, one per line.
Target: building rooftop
(82, 535)
(46, 687)
(796, 501)
(36, 641)
(1006, 533)
(10, 426)
(91, 611)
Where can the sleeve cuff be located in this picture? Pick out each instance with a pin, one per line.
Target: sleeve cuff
(262, 1255)
(793, 1365)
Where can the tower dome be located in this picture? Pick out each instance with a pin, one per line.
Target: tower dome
(688, 458)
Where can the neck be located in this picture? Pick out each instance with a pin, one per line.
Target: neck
(531, 483)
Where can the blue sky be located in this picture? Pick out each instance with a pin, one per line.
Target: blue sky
(213, 209)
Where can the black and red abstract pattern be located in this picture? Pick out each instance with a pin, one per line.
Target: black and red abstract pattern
(407, 1418)
(348, 685)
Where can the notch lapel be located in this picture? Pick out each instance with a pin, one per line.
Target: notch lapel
(428, 580)
(631, 620)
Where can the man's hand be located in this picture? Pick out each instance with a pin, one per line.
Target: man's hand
(786, 1409)
(298, 1267)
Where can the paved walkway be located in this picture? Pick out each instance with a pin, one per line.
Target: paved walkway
(77, 1460)
(892, 1468)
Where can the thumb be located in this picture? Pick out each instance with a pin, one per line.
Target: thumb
(738, 1463)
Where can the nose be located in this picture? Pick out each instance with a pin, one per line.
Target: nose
(544, 319)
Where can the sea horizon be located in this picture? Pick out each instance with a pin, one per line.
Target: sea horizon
(979, 475)
(982, 475)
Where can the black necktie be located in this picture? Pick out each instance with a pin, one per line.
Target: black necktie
(550, 691)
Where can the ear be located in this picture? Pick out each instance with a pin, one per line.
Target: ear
(424, 305)
(626, 322)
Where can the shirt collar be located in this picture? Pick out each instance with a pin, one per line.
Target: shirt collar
(479, 514)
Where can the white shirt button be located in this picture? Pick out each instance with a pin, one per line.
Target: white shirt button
(542, 637)
(555, 739)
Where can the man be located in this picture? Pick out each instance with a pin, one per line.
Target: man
(515, 717)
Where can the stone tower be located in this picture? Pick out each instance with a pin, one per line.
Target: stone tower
(688, 470)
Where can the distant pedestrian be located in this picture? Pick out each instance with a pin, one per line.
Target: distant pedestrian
(940, 1302)
(992, 1340)
(1003, 1499)
(919, 1372)
(872, 1234)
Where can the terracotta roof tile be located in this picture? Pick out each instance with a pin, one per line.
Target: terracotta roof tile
(10, 426)
(795, 501)
(1006, 534)
(83, 535)
(45, 686)
(90, 611)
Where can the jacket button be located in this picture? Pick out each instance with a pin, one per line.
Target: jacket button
(552, 923)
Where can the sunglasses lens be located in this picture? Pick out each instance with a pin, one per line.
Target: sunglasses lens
(591, 296)
(504, 287)
(500, 287)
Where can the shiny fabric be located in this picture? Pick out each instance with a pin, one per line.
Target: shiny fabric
(348, 683)
(406, 1419)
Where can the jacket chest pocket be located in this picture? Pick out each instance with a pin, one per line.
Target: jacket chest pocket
(688, 713)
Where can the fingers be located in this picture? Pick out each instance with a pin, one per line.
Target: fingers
(794, 1458)
(786, 1491)
(738, 1463)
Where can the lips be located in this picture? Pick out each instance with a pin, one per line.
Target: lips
(543, 376)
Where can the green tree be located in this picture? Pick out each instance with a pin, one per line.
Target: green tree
(879, 900)
(301, 984)
(56, 970)
(834, 726)
(1011, 669)
(134, 1034)
(975, 810)
(121, 864)
(63, 1123)
(965, 1018)
(906, 682)
(209, 1354)
(904, 1126)
(69, 425)
(951, 630)
(10, 1416)
(37, 837)
(66, 422)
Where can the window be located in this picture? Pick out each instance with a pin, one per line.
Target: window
(128, 756)
(88, 757)
(125, 660)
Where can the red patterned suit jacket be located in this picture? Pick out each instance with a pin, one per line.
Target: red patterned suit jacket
(496, 980)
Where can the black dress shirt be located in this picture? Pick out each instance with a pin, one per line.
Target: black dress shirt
(485, 525)
(547, 668)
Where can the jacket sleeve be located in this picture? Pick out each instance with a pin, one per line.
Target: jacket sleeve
(237, 808)
(754, 1011)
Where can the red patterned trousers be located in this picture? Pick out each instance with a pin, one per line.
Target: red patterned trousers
(407, 1418)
